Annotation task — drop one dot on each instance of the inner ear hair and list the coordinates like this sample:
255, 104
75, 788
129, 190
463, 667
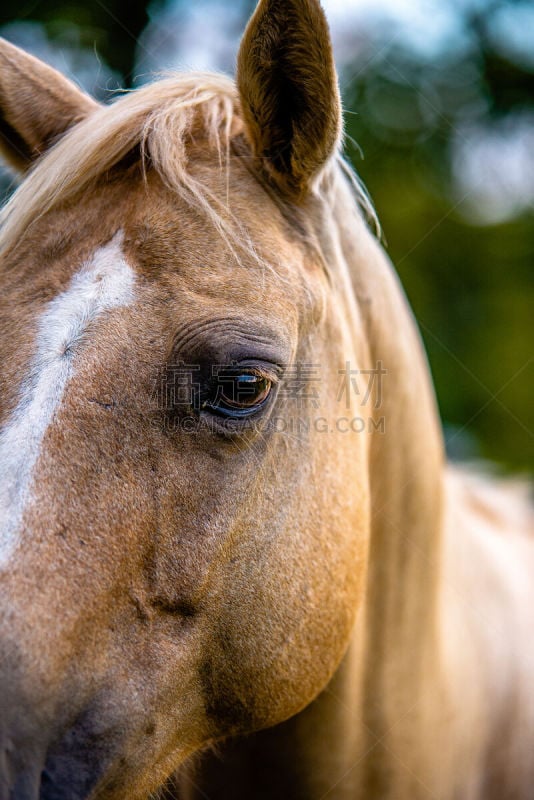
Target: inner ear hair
289, 92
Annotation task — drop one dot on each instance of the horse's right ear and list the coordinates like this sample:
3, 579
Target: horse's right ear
37, 105
289, 92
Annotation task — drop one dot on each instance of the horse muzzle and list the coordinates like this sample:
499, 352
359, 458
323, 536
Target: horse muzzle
67, 769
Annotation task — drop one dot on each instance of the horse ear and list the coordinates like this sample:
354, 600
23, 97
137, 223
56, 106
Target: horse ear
289, 92
37, 105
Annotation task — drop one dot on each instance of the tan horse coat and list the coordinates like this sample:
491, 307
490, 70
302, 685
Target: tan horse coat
165, 589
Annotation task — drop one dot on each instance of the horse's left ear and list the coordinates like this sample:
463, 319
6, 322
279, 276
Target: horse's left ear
37, 105
289, 92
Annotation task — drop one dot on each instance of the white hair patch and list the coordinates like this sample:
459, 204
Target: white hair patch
104, 283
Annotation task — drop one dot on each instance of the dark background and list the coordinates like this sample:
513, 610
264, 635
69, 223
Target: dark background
447, 136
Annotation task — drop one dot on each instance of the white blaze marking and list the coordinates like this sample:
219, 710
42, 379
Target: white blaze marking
104, 283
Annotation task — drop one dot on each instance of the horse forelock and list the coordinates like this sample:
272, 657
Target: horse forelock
161, 121
157, 118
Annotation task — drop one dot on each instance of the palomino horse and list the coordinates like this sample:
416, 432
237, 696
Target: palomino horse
230, 548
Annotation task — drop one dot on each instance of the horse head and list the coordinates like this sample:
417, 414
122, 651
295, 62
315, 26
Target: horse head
184, 523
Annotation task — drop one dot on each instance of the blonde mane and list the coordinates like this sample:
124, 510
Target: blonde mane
159, 119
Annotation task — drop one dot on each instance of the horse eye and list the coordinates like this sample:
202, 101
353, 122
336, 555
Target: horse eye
239, 393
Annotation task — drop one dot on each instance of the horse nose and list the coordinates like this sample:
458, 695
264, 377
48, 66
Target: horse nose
23, 745
76, 761
51, 713
60, 778
24, 729
24, 786
20, 766
68, 768
48, 749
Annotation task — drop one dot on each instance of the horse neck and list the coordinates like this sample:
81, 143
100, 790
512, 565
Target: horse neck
438, 558
399, 634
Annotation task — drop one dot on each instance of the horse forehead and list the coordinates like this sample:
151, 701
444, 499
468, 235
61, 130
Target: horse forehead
103, 283
241, 234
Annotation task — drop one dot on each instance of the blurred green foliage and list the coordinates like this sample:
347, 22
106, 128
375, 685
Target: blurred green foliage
470, 281
471, 285
111, 28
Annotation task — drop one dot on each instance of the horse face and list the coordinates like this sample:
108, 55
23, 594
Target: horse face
184, 536
176, 567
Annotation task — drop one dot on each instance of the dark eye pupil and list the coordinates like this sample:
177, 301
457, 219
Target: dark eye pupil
244, 391
236, 393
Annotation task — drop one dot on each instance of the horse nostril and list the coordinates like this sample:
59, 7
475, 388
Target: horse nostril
66, 778
20, 764
76, 762
23, 786
53, 787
